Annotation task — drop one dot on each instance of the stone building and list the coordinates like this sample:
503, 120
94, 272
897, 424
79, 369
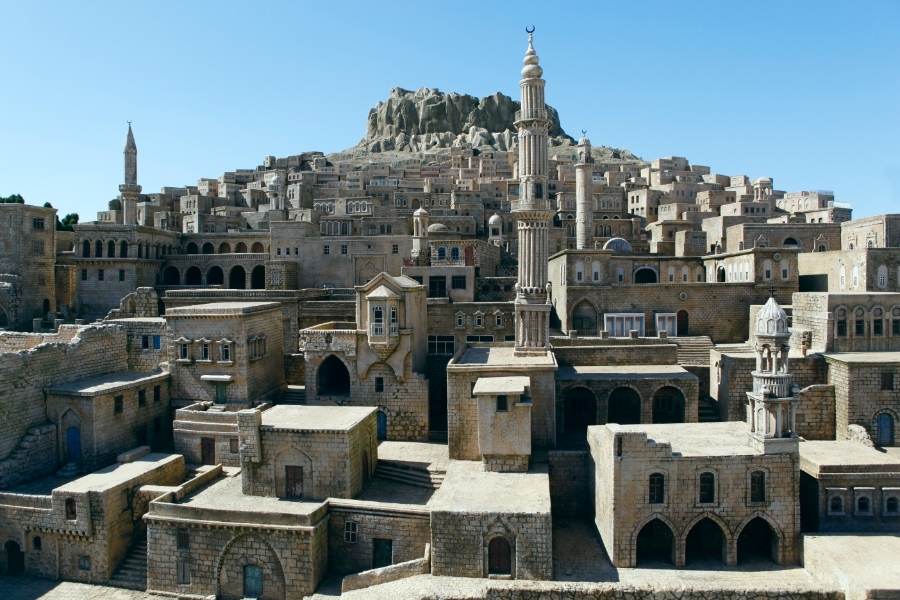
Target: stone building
27, 266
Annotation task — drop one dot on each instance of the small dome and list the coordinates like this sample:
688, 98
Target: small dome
437, 228
618, 245
495, 219
531, 68
420, 212
771, 319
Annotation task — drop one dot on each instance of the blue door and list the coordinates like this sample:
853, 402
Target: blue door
252, 581
73, 444
382, 425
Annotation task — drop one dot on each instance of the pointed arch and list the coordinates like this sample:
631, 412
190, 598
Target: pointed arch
759, 536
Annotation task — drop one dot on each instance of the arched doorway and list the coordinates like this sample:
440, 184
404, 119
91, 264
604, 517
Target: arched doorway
705, 543
668, 405
15, 558
884, 429
655, 544
720, 274
624, 407
584, 318
257, 248
579, 412
191, 248
499, 557
237, 278
241, 248
757, 542
73, 444
215, 276
193, 276
681, 323
208, 248
224, 248
258, 278
382, 425
645, 275
171, 276
333, 379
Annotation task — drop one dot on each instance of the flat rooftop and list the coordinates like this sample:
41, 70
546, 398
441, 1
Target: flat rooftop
468, 488
106, 383
696, 439
500, 356
225, 494
121, 473
489, 386
864, 357
624, 372
315, 418
221, 308
843, 456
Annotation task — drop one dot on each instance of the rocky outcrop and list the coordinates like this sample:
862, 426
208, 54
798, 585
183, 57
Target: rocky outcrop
429, 119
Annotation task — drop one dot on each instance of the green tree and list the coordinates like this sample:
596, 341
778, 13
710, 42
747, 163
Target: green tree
68, 222
12, 199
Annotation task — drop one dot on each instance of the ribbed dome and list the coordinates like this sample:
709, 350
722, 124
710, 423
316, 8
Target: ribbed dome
771, 319
438, 228
618, 245
495, 219
531, 65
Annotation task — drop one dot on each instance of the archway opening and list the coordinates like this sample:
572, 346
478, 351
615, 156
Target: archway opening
224, 248
681, 319
584, 318
499, 557
208, 248
333, 378
579, 412
382, 425
645, 275
15, 558
191, 248
193, 276
110, 249
258, 278
655, 544
241, 248
705, 543
668, 405
257, 248
757, 542
171, 276
215, 276
791, 243
123, 249
4, 320
720, 274
237, 278
624, 407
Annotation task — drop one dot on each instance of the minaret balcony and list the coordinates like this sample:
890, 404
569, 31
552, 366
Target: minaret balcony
776, 384
532, 114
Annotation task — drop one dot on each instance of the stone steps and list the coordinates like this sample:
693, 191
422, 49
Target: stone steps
415, 476
294, 394
708, 411
132, 572
693, 351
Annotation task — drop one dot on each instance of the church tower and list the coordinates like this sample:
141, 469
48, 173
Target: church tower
584, 196
532, 211
772, 405
130, 190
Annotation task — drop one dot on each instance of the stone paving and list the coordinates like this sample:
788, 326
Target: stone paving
27, 588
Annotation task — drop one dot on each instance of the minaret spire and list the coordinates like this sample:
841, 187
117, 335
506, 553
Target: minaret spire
532, 209
584, 195
130, 190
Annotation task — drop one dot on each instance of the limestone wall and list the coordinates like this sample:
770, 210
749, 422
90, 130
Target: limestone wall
409, 532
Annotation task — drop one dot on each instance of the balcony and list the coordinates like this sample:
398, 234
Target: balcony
532, 114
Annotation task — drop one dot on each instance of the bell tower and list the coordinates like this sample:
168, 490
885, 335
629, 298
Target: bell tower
532, 210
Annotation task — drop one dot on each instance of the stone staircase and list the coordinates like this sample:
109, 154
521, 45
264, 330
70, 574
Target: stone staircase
132, 572
293, 394
410, 474
693, 351
708, 410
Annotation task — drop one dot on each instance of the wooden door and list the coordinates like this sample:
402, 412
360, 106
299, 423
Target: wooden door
293, 481
207, 451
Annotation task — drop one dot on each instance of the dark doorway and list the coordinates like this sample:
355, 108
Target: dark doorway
579, 412
333, 378
46, 306
4, 321
293, 481
193, 276
436, 369
171, 276
720, 274
215, 276
624, 407
365, 467
584, 318
237, 278
681, 324
382, 425
207, 451
73, 444
258, 278
499, 557
655, 544
668, 405
645, 275
382, 553
813, 283
884, 429
705, 543
15, 558
757, 542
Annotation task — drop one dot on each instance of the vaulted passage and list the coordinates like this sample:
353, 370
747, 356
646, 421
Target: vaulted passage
579, 410
757, 542
215, 276
624, 407
668, 405
655, 544
705, 543
584, 319
258, 278
192, 276
237, 278
333, 378
645, 275
171, 276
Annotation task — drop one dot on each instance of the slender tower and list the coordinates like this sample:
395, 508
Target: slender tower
532, 210
584, 195
130, 190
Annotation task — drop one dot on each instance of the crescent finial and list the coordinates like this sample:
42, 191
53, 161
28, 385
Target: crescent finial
527, 30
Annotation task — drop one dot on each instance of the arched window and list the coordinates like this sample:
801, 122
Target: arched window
767, 270
882, 277
864, 505
110, 248
836, 505
442, 253
891, 505
757, 486
454, 253
840, 321
123, 249
499, 557
86, 248
855, 276
707, 488
98, 248
71, 510
877, 321
843, 277
657, 488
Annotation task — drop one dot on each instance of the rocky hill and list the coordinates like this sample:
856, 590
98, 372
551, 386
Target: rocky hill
429, 119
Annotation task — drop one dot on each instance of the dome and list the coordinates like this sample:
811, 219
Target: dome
618, 245
771, 319
438, 228
420, 212
495, 219
531, 68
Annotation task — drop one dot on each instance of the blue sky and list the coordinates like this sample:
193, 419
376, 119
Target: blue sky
805, 92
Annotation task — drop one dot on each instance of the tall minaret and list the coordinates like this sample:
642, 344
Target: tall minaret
584, 195
130, 190
532, 210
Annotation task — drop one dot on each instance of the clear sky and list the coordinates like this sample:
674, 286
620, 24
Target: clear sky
805, 92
